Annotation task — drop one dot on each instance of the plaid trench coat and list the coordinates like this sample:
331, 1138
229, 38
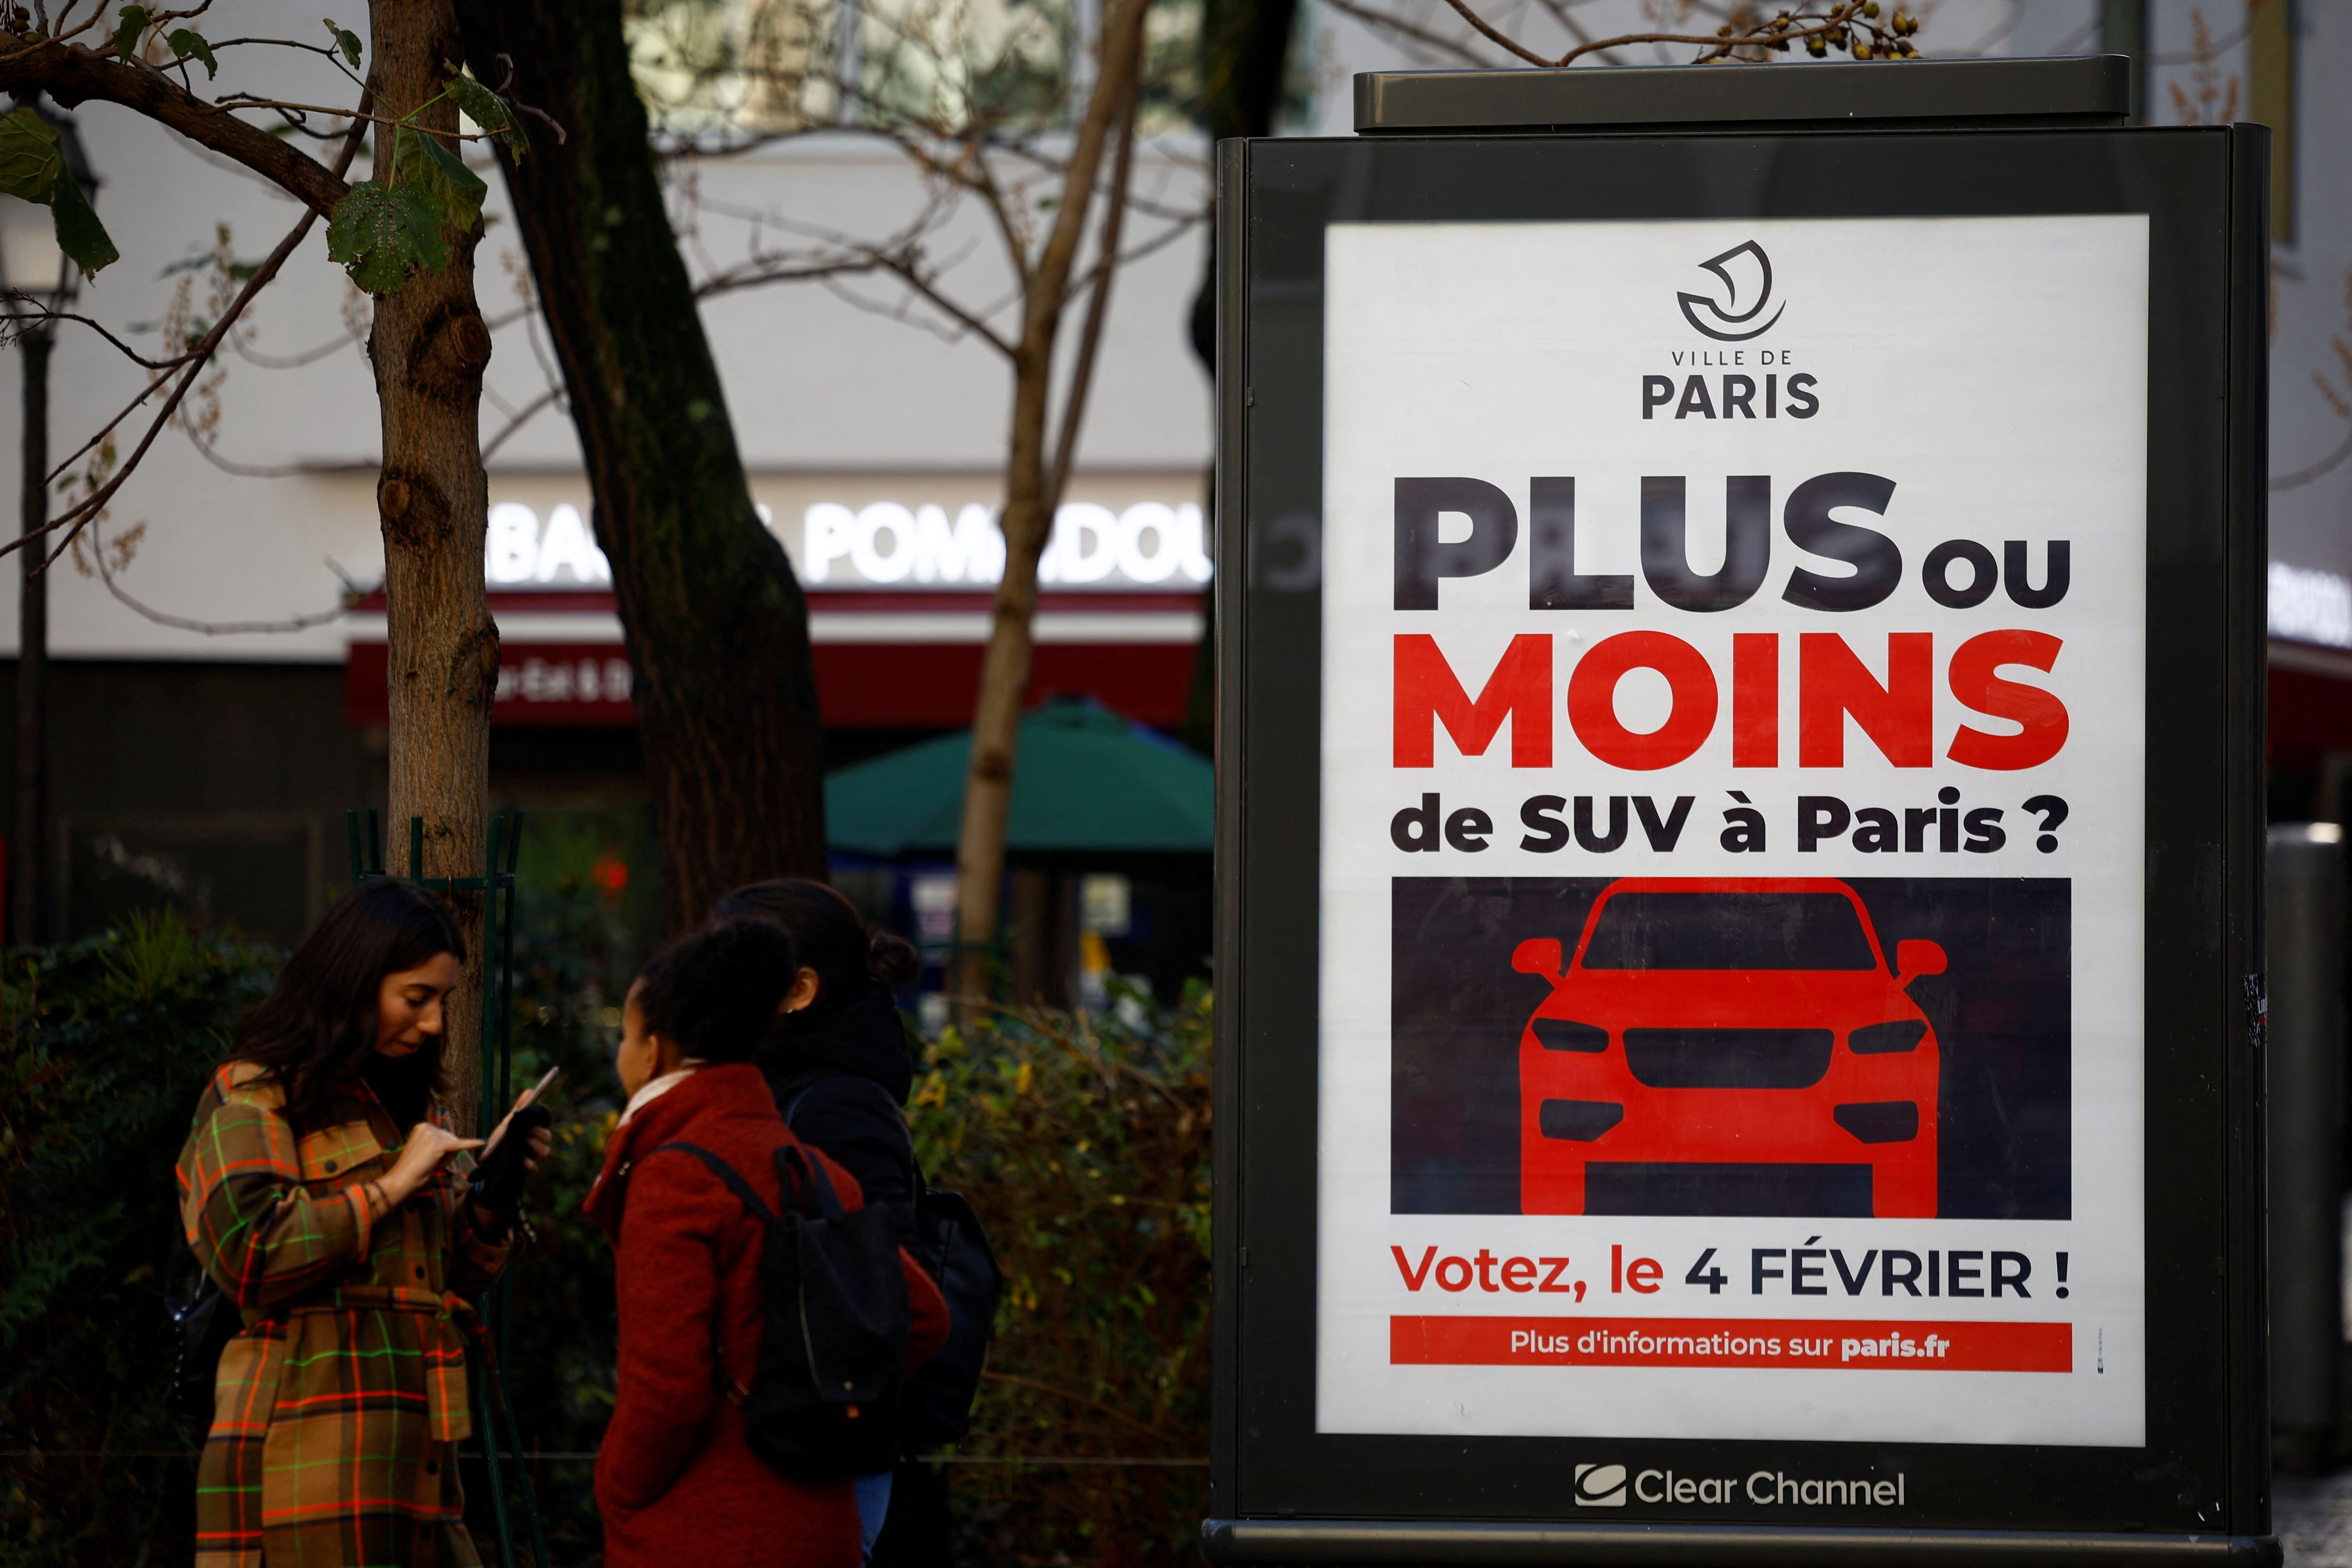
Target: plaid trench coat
339, 1408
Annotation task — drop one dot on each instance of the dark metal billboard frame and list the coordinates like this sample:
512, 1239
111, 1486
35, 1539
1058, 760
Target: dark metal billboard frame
1282, 1492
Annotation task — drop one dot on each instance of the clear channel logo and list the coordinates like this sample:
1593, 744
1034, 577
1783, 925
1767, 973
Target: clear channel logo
1746, 274
1601, 1486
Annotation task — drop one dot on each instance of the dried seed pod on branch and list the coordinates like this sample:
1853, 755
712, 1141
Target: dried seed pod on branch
1862, 29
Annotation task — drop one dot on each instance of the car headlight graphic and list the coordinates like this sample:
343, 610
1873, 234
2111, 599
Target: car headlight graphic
1877, 1039
1565, 1035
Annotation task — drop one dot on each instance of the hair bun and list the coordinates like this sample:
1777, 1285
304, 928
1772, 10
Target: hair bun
891, 959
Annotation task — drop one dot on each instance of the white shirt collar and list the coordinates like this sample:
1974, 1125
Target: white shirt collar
659, 1087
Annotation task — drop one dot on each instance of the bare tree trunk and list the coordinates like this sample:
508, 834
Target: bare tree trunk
717, 625
429, 346
1028, 518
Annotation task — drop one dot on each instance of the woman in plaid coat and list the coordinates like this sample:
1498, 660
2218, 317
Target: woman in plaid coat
317, 1187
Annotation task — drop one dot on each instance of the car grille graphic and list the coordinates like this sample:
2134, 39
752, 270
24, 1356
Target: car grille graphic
1728, 1058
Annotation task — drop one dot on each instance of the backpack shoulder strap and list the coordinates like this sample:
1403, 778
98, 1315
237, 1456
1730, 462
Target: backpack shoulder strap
803, 1174
727, 1174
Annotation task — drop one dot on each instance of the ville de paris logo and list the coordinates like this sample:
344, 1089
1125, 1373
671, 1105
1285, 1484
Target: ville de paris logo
1746, 273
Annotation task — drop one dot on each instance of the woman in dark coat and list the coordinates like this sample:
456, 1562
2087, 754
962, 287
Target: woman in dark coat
839, 1061
676, 1481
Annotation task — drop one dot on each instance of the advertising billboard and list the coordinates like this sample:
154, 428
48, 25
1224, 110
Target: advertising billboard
1731, 803
1740, 951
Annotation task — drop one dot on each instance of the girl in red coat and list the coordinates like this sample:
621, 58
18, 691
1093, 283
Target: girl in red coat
676, 1481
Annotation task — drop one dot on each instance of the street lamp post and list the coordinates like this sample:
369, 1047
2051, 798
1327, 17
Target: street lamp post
39, 280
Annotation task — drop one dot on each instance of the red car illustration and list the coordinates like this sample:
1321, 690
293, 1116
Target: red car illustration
1728, 1020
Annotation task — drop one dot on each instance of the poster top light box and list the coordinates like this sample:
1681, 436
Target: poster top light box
1740, 800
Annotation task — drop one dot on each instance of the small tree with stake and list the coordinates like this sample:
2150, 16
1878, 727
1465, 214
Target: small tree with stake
406, 235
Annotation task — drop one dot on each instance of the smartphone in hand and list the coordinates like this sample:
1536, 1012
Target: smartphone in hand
531, 1095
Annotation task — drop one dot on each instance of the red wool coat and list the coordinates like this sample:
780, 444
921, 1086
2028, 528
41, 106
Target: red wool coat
676, 1481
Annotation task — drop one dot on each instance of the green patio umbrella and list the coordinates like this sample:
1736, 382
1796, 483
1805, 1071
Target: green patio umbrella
1086, 779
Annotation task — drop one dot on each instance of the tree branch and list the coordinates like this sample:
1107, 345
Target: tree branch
2320, 470
1844, 24
1389, 22
23, 311
73, 75
1074, 405
79, 516
351, 594
521, 417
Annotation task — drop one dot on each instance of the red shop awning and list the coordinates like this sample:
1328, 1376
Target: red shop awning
2310, 691
883, 659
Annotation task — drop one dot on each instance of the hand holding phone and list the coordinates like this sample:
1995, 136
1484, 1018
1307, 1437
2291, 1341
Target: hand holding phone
528, 1098
498, 1177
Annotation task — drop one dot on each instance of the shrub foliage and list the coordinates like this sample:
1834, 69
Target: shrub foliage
104, 1046
1083, 1142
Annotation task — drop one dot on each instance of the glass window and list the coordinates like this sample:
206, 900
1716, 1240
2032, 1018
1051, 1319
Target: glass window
1729, 930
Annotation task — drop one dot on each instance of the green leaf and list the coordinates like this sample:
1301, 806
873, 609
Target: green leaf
349, 42
29, 159
79, 234
454, 192
382, 233
492, 112
135, 21
190, 46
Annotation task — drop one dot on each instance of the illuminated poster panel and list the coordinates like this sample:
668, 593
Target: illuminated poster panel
1734, 642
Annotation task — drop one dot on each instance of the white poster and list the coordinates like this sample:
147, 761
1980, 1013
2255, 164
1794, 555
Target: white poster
1732, 900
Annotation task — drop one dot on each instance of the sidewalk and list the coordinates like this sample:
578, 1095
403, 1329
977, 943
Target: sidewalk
2312, 1516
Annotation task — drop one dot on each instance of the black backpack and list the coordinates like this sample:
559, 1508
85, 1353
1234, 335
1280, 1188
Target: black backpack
824, 1401
935, 1408
935, 1405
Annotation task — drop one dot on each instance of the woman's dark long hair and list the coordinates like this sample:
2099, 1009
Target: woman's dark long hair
850, 957
319, 1023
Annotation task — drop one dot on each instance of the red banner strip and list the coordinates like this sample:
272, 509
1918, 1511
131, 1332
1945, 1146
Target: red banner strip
1902, 1346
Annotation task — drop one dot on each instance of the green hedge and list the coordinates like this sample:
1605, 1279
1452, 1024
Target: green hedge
1083, 1142
104, 1046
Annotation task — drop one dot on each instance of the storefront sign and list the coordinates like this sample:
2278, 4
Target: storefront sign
1743, 854
888, 544
882, 660
1149, 544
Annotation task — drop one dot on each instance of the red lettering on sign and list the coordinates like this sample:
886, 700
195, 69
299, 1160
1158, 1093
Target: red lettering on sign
1975, 680
1755, 699
1414, 1276
1875, 1345
1592, 699
1899, 717
1429, 694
